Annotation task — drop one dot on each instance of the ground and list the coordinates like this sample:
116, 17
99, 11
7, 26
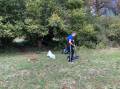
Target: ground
96, 69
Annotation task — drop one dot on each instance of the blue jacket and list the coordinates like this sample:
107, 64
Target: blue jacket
70, 37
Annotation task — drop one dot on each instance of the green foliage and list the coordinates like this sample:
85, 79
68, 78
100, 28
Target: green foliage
101, 45
109, 30
74, 4
12, 14
89, 29
56, 21
36, 18
114, 29
5, 29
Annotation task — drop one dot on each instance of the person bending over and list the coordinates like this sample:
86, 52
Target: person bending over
70, 45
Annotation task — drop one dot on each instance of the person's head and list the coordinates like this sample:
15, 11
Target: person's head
74, 34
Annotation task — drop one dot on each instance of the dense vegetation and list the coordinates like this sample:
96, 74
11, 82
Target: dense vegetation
48, 19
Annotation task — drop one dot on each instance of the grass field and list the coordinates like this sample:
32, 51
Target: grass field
96, 69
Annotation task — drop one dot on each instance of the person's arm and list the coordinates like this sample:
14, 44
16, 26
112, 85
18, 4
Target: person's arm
70, 42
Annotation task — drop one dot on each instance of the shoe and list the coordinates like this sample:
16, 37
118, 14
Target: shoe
71, 62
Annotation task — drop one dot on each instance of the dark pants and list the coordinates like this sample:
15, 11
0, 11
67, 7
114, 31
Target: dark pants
71, 53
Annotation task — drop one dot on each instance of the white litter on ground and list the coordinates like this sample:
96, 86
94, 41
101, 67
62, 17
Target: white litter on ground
50, 55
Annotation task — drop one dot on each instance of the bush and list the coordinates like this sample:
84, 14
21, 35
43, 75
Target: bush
108, 31
90, 44
101, 45
113, 33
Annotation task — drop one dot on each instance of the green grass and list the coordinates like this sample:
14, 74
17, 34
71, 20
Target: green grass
96, 69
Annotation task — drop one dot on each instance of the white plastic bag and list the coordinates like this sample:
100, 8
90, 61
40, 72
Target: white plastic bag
50, 55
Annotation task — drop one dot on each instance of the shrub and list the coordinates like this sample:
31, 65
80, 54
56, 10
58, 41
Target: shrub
101, 45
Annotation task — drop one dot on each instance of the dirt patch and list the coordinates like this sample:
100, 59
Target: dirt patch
31, 56
68, 84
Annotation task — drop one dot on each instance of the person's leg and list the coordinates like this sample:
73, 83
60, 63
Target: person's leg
72, 53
